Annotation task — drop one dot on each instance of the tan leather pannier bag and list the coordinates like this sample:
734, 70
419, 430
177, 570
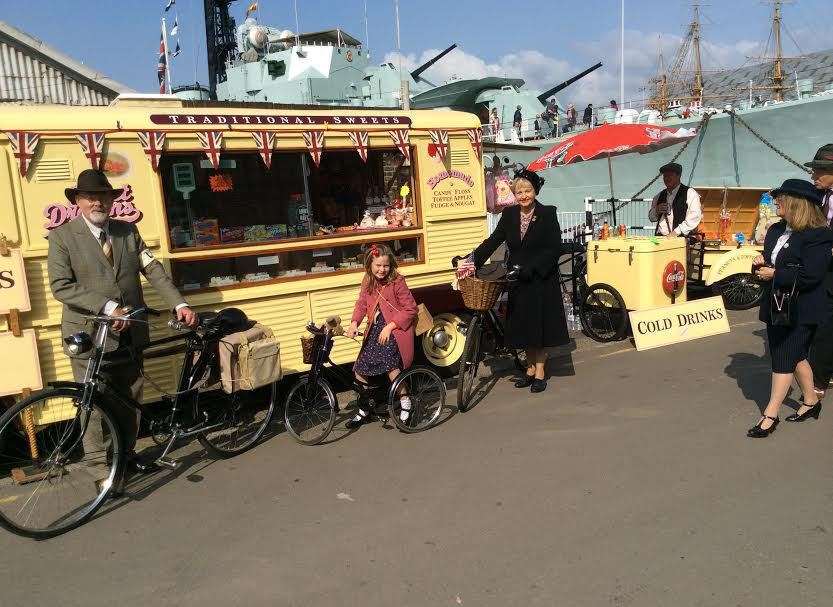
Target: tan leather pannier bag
249, 359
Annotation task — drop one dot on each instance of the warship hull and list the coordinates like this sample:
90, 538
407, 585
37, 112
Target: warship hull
729, 155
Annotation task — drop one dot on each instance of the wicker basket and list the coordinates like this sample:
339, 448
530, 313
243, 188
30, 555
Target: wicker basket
479, 294
308, 349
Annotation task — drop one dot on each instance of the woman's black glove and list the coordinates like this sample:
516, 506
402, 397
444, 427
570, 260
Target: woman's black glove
524, 274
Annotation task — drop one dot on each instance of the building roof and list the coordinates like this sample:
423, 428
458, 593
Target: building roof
31, 71
731, 84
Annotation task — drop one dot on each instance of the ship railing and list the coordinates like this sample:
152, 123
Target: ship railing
528, 131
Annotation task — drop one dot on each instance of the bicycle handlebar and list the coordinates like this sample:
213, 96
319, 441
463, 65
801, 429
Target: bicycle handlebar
127, 317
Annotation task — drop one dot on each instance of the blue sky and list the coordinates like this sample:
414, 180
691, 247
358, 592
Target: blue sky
542, 42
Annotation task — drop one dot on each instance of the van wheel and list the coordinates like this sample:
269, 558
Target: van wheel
441, 347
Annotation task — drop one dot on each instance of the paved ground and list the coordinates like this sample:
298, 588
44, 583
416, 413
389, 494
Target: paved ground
629, 482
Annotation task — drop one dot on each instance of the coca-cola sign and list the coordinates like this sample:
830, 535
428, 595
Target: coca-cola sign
59, 213
673, 278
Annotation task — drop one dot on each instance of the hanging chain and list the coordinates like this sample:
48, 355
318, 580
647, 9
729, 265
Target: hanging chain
763, 140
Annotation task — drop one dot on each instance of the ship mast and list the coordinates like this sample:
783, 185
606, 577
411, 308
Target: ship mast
777, 73
697, 88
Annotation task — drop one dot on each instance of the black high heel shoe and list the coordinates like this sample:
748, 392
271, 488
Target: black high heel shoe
757, 432
813, 412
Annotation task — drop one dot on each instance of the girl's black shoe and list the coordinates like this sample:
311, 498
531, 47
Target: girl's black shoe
358, 420
757, 432
813, 412
525, 381
538, 385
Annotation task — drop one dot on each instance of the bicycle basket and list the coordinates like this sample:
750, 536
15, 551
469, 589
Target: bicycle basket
479, 294
308, 345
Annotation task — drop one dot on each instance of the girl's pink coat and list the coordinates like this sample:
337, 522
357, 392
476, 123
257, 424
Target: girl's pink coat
400, 308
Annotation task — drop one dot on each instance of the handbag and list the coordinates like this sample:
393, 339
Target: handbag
424, 319
783, 308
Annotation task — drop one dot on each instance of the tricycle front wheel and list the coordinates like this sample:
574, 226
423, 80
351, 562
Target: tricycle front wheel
602, 312
740, 291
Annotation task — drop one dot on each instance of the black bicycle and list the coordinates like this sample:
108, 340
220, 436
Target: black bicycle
311, 405
52, 485
485, 335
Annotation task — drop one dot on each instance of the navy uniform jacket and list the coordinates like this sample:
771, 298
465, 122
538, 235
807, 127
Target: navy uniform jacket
803, 261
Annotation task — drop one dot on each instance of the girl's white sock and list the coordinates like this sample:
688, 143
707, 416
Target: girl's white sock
405, 411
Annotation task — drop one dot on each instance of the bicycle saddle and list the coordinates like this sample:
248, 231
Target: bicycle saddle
226, 322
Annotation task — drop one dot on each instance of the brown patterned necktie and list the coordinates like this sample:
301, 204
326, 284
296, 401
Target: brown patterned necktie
106, 247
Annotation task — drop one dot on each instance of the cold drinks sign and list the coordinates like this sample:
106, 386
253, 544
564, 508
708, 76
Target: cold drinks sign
679, 322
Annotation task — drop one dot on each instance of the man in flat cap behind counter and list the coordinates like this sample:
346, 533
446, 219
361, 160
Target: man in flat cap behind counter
676, 210
821, 352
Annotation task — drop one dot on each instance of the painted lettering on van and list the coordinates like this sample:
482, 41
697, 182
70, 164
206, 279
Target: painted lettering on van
57, 214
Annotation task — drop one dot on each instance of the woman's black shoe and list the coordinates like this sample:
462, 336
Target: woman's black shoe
525, 381
757, 432
813, 412
538, 385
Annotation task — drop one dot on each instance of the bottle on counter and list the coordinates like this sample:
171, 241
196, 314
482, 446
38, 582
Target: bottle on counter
605, 233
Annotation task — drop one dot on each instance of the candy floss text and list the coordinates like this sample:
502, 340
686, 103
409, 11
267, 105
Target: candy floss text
58, 214
436, 179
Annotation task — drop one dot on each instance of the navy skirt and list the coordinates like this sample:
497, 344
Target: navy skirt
788, 346
376, 358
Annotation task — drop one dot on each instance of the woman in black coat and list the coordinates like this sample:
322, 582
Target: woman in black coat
535, 318
797, 253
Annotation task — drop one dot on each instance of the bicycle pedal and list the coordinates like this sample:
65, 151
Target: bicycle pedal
164, 462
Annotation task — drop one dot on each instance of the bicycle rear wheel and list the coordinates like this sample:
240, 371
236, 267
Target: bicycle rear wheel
427, 392
236, 421
310, 411
53, 485
469, 364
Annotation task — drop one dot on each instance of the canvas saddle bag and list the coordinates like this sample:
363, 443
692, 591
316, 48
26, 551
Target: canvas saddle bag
249, 359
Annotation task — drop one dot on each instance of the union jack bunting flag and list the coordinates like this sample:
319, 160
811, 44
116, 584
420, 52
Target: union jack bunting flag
401, 140
360, 139
440, 140
152, 144
265, 141
23, 147
92, 144
212, 142
162, 65
315, 144
476, 138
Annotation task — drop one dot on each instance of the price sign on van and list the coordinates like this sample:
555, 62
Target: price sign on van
14, 293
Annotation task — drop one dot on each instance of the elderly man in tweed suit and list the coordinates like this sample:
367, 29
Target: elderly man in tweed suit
95, 265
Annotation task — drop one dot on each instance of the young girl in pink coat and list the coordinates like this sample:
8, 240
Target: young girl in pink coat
390, 309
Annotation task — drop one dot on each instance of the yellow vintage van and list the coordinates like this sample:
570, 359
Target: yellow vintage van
261, 207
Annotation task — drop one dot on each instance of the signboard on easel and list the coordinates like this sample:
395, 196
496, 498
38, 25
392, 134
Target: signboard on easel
14, 292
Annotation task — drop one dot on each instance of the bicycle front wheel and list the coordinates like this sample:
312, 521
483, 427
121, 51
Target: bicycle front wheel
426, 391
310, 411
469, 364
235, 421
52, 484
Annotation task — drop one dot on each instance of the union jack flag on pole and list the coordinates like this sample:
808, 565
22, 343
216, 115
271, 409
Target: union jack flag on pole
23, 147
92, 144
152, 144
169, 5
315, 144
401, 140
360, 142
212, 142
265, 141
162, 65
440, 140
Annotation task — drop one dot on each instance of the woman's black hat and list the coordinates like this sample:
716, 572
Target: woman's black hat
91, 180
802, 189
532, 177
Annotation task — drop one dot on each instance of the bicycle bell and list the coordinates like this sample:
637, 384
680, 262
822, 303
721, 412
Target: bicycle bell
79, 343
